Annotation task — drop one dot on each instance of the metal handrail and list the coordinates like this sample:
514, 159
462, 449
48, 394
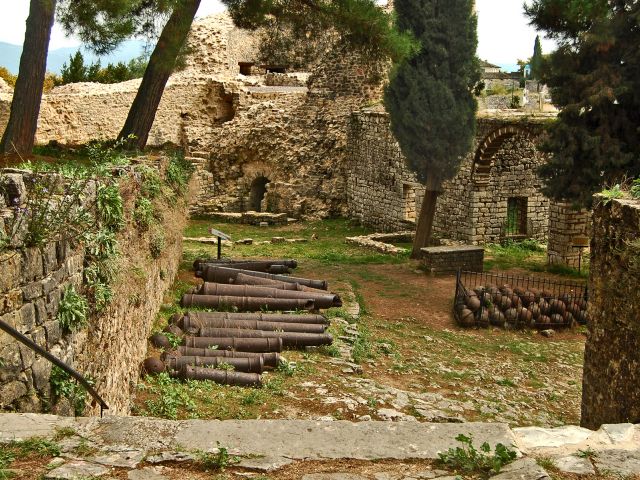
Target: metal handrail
56, 361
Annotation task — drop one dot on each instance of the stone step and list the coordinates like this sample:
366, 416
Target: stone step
204, 155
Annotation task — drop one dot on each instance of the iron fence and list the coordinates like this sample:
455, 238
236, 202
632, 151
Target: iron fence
511, 301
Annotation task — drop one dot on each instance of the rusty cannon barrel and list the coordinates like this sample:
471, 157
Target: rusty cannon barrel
289, 339
250, 304
224, 377
234, 263
269, 359
195, 327
249, 365
203, 317
239, 344
243, 279
324, 300
228, 275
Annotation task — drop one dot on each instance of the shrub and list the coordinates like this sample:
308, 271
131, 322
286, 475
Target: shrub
143, 213
63, 386
157, 243
72, 311
110, 207
150, 182
470, 460
179, 172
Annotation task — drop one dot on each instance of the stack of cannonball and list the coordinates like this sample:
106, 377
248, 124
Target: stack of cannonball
518, 307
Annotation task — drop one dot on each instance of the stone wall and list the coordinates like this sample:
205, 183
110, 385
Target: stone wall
566, 224
611, 381
114, 344
383, 193
451, 259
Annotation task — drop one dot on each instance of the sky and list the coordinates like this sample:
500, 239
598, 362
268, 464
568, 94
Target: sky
503, 33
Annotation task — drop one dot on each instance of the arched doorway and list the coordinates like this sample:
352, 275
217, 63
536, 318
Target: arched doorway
257, 192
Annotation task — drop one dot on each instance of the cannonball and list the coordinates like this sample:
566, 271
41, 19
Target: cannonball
518, 290
568, 318
544, 307
492, 289
515, 300
536, 292
159, 340
557, 306
547, 295
473, 303
557, 318
487, 299
544, 320
582, 303
583, 317
511, 315
567, 298
497, 298
534, 308
471, 293
169, 354
483, 317
528, 298
460, 306
573, 309
467, 318
525, 316
505, 303
153, 365
175, 318
174, 330
506, 290
497, 318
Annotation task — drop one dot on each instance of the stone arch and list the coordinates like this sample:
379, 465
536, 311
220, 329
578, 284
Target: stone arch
490, 145
257, 191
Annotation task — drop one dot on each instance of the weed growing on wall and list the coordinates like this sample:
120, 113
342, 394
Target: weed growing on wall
73, 309
178, 173
63, 386
150, 182
143, 213
157, 243
469, 460
110, 207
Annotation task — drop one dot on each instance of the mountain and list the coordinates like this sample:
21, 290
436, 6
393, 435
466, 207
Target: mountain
10, 55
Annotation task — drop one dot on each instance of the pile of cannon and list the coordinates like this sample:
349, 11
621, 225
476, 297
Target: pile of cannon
235, 348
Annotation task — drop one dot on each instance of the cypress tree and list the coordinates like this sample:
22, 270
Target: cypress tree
594, 80
75, 71
429, 98
536, 59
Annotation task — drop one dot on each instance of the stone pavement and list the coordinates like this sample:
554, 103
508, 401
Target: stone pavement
138, 443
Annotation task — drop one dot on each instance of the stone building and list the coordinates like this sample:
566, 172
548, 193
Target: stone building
496, 194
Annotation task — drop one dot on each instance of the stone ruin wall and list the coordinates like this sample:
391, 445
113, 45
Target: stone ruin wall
383, 193
565, 224
611, 381
113, 346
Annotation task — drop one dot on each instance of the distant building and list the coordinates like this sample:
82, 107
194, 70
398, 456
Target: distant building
489, 67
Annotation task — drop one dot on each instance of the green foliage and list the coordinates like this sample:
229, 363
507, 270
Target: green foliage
174, 340
8, 77
76, 71
72, 311
179, 171
110, 207
360, 23
593, 80
469, 460
170, 397
157, 243
217, 461
143, 213
101, 245
62, 385
6, 458
612, 193
362, 348
634, 191
287, 368
36, 446
52, 209
536, 60
150, 182
429, 98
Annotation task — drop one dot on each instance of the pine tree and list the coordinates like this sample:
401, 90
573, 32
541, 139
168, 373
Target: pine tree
430, 98
594, 80
75, 71
536, 60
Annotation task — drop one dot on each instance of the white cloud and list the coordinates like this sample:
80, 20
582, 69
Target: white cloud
503, 31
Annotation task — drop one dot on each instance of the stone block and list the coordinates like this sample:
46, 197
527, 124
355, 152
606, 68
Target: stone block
41, 371
32, 266
27, 318
49, 258
10, 392
53, 332
10, 301
53, 302
31, 291
11, 361
40, 306
11, 271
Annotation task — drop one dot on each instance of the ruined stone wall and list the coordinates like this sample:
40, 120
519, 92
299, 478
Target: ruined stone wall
382, 192
565, 224
611, 380
112, 347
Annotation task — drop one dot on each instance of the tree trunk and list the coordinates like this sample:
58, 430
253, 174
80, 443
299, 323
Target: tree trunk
425, 220
161, 64
19, 136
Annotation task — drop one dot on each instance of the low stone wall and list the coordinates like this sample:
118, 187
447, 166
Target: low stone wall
611, 381
110, 349
450, 259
